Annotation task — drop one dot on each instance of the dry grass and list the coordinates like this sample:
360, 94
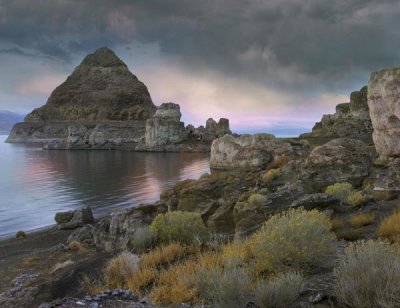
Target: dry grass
173, 286
363, 219
163, 255
390, 227
237, 252
119, 269
271, 175
279, 162
62, 265
76, 246
142, 279
93, 287
337, 223
349, 235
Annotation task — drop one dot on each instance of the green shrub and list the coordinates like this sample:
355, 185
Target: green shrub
119, 269
356, 198
279, 292
368, 275
256, 200
183, 227
143, 239
341, 191
224, 288
295, 238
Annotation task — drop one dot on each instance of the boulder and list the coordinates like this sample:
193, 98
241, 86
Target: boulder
339, 160
74, 219
384, 105
247, 151
82, 235
318, 201
116, 230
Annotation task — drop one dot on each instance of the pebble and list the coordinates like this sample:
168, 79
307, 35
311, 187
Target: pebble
318, 298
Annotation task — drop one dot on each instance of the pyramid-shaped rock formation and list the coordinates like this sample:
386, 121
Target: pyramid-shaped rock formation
100, 88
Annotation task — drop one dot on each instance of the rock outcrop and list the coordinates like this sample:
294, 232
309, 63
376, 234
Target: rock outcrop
384, 105
350, 120
102, 105
100, 88
247, 151
339, 160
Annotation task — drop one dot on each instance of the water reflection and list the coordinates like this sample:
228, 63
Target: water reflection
34, 184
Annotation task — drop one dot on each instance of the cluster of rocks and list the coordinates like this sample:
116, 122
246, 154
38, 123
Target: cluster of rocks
102, 105
350, 120
106, 299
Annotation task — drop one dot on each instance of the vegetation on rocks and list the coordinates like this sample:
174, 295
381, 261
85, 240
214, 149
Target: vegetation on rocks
346, 194
295, 239
183, 227
390, 227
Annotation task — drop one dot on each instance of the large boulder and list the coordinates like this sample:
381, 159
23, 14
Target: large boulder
339, 160
247, 151
100, 88
384, 105
74, 219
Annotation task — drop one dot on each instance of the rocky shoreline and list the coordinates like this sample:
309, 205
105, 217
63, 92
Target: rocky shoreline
330, 185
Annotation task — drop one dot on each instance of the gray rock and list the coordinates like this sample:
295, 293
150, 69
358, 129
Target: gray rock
247, 151
387, 182
82, 235
63, 217
79, 218
383, 101
316, 201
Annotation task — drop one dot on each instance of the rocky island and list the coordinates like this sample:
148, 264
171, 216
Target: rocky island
281, 222
102, 105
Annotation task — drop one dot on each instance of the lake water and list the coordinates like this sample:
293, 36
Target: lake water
35, 183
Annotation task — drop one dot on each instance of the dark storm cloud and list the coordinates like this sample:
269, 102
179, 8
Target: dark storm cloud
278, 40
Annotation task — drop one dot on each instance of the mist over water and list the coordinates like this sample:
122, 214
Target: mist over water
35, 183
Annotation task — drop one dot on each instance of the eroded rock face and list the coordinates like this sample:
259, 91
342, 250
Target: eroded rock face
165, 126
350, 120
247, 151
339, 160
387, 182
100, 88
384, 105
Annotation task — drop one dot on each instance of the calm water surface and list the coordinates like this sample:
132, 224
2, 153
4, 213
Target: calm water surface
35, 184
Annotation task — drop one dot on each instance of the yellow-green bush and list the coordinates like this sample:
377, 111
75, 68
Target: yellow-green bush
356, 198
340, 190
271, 175
183, 227
346, 194
296, 238
280, 291
368, 275
256, 200
119, 269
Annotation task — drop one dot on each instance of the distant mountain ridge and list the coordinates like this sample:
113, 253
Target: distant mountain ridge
7, 121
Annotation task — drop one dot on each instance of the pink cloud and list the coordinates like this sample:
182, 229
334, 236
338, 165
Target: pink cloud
41, 85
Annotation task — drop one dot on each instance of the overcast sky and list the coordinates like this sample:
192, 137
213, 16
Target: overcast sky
267, 65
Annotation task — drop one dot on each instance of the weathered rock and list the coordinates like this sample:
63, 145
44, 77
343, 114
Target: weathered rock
74, 219
247, 151
82, 235
165, 126
387, 182
116, 230
384, 105
350, 120
339, 160
318, 201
